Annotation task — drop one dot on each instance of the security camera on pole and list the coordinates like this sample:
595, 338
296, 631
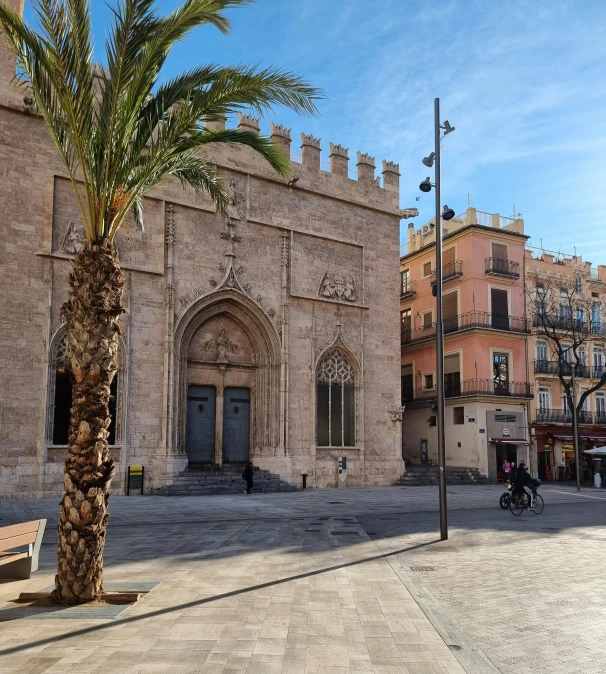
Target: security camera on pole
447, 214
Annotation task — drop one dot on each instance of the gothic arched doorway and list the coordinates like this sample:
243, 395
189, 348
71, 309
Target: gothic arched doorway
227, 398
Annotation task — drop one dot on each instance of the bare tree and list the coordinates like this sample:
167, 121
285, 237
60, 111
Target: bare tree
568, 320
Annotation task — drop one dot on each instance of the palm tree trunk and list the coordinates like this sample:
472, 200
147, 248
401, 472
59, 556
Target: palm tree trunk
92, 316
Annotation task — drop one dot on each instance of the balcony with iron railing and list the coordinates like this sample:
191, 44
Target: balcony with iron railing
569, 324
555, 368
469, 321
472, 387
498, 267
408, 289
549, 416
450, 271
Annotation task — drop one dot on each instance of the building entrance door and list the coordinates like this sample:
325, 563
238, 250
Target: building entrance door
200, 438
236, 425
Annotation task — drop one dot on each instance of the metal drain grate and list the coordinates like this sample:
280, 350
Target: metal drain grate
422, 568
312, 531
335, 502
345, 533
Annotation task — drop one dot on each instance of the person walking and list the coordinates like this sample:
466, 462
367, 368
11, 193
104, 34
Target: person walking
248, 476
506, 470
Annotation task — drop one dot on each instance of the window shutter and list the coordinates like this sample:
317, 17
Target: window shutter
449, 305
448, 256
427, 268
427, 319
499, 251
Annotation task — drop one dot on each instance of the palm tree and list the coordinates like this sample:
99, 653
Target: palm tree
120, 133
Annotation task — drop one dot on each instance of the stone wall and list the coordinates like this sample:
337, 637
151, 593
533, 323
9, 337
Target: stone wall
300, 265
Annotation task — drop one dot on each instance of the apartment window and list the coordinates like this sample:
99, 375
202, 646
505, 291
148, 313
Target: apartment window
600, 408
407, 383
500, 366
596, 318
542, 351
578, 285
427, 320
450, 310
433, 420
426, 269
598, 362
405, 275
499, 309
565, 405
582, 355
428, 381
567, 353
452, 374
499, 251
544, 399
448, 257
458, 415
580, 316
406, 324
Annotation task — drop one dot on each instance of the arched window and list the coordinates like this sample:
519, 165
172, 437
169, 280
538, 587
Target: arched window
61, 398
336, 401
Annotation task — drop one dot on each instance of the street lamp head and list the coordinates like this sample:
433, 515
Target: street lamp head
425, 186
447, 128
447, 213
428, 161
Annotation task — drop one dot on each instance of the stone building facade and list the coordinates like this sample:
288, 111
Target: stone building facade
270, 334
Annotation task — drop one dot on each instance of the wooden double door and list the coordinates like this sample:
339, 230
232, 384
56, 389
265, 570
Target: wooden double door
203, 420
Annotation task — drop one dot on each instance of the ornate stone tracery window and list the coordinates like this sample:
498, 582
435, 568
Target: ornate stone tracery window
60, 396
336, 400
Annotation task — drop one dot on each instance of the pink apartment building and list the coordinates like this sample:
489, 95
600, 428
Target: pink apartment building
487, 381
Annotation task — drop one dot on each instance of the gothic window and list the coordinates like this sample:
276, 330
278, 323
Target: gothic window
336, 401
60, 399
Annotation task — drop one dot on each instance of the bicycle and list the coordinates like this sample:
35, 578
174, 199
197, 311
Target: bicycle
519, 503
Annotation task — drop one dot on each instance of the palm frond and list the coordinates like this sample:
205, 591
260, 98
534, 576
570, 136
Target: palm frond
118, 139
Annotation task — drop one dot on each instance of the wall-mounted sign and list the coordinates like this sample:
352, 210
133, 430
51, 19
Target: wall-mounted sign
471, 420
506, 432
482, 430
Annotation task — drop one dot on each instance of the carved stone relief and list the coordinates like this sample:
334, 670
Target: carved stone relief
338, 286
73, 237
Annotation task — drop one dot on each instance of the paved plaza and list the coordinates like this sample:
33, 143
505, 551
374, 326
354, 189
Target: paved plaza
331, 581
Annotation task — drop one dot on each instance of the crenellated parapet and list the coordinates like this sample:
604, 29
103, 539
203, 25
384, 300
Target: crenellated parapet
391, 177
280, 136
310, 151
379, 191
339, 160
366, 168
248, 123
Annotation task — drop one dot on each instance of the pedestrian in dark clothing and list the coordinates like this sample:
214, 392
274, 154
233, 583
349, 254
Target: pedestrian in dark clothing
512, 473
523, 483
248, 476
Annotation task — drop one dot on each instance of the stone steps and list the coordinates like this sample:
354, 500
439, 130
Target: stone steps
417, 476
222, 480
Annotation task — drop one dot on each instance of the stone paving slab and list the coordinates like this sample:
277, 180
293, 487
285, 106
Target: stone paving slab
268, 584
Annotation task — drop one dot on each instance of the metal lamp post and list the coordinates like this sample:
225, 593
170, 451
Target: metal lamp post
440, 336
425, 186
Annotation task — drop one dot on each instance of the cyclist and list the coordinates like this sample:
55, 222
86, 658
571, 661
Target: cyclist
522, 483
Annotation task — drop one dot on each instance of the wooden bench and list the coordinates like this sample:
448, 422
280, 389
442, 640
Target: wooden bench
19, 565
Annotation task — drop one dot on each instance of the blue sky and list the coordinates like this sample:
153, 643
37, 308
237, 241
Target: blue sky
522, 81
